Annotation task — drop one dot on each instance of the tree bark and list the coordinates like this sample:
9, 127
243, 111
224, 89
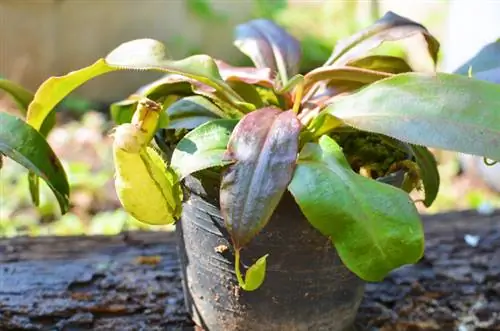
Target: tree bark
132, 282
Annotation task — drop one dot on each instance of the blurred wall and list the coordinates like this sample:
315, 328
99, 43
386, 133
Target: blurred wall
42, 38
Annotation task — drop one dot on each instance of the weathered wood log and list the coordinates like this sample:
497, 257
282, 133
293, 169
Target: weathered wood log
132, 282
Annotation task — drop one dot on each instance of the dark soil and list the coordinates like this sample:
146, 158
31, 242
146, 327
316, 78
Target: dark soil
132, 282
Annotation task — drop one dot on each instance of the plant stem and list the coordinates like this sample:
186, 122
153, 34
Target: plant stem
237, 268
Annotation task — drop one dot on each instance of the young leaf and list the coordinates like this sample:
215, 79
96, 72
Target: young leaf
384, 63
191, 112
428, 172
22, 96
443, 111
269, 46
203, 148
23, 144
374, 226
390, 27
264, 148
254, 276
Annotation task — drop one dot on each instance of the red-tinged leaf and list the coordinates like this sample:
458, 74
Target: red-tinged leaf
269, 46
342, 74
390, 27
385, 63
249, 75
263, 147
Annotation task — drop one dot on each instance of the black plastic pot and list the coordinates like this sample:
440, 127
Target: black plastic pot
306, 286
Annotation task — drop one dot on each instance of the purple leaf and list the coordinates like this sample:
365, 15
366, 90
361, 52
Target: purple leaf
390, 27
269, 46
264, 147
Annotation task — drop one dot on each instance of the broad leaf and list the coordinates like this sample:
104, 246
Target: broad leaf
191, 112
269, 46
149, 54
203, 148
390, 27
256, 274
23, 144
22, 96
263, 147
428, 172
342, 74
374, 226
443, 111
486, 59
385, 63
141, 54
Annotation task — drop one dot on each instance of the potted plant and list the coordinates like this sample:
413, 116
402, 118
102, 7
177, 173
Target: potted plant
290, 191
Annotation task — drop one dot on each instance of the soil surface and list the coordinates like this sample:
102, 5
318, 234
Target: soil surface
132, 282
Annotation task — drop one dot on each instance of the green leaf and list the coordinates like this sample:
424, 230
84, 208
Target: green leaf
23, 144
254, 276
374, 226
263, 147
149, 54
191, 112
428, 172
385, 63
141, 54
248, 92
390, 27
122, 111
269, 46
22, 96
342, 74
203, 148
443, 111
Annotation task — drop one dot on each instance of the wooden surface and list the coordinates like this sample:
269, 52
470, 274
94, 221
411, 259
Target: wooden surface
132, 282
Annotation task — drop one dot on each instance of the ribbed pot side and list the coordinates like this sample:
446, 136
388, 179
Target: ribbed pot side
306, 287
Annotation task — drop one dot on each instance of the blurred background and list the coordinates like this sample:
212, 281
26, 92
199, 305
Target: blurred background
43, 38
